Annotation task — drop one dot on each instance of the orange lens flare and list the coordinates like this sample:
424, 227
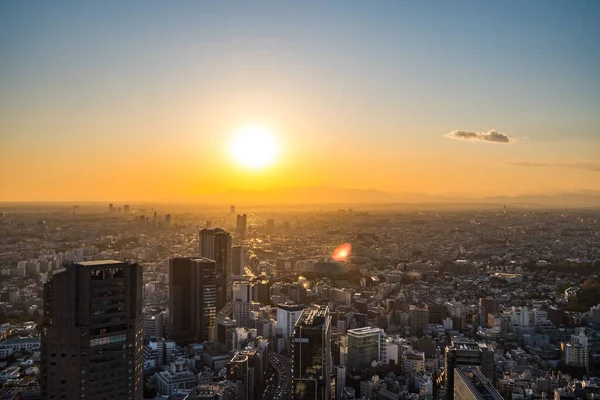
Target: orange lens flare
342, 252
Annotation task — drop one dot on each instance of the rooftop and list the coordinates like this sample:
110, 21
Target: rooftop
364, 331
98, 262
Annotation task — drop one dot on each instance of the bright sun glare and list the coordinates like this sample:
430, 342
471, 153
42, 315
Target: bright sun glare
254, 147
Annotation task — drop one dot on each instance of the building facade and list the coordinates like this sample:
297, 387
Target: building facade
92, 332
193, 298
311, 355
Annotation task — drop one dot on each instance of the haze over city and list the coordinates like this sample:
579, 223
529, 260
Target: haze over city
145, 101
300, 200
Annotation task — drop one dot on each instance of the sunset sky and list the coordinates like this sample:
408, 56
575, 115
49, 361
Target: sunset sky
139, 100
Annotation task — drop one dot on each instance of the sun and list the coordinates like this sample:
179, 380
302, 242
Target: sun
254, 147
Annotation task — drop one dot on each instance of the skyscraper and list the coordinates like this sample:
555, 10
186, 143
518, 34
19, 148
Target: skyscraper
193, 298
241, 223
215, 244
365, 345
237, 260
92, 333
311, 355
465, 352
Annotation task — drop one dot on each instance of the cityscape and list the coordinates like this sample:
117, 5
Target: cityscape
300, 200
328, 304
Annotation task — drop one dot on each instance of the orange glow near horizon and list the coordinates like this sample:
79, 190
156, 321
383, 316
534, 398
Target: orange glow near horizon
342, 252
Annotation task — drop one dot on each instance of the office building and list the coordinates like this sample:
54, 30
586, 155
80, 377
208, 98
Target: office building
264, 291
237, 260
287, 315
215, 244
365, 345
241, 223
153, 323
471, 384
126, 208
174, 378
465, 352
419, 319
246, 368
311, 355
92, 333
193, 298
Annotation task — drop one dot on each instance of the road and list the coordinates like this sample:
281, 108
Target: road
282, 387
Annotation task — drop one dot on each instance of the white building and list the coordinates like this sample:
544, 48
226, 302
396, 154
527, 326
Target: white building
576, 353
19, 343
519, 316
287, 316
174, 378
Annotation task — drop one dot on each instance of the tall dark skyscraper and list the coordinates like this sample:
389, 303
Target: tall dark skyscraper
193, 298
216, 245
311, 355
241, 223
465, 352
92, 333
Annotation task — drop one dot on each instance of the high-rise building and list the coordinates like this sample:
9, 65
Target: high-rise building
311, 355
216, 245
264, 291
471, 384
365, 345
232, 209
576, 353
92, 332
487, 306
287, 315
193, 298
247, 370
237, 371
465, 352
126, 208
271, 224
111, 208
168, 220
153, 323
419, 319
237, 260
241, 223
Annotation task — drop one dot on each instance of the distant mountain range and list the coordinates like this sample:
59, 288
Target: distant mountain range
324, 195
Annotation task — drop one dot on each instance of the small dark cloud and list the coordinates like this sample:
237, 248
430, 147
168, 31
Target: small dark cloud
585, 165
491, 136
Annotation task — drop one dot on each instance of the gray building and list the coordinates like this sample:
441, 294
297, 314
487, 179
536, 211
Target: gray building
468, 353
92, 332
193, 298
471, 384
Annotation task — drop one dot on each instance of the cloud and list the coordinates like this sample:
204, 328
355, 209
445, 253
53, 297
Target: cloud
491, 136
585, 165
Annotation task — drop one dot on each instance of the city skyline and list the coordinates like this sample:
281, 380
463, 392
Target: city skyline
140, 101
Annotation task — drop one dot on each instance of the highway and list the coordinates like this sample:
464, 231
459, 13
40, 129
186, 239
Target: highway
281, 388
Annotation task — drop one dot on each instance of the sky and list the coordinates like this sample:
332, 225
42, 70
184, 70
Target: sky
139, 100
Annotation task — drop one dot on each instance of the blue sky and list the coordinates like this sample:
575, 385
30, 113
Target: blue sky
368, 74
